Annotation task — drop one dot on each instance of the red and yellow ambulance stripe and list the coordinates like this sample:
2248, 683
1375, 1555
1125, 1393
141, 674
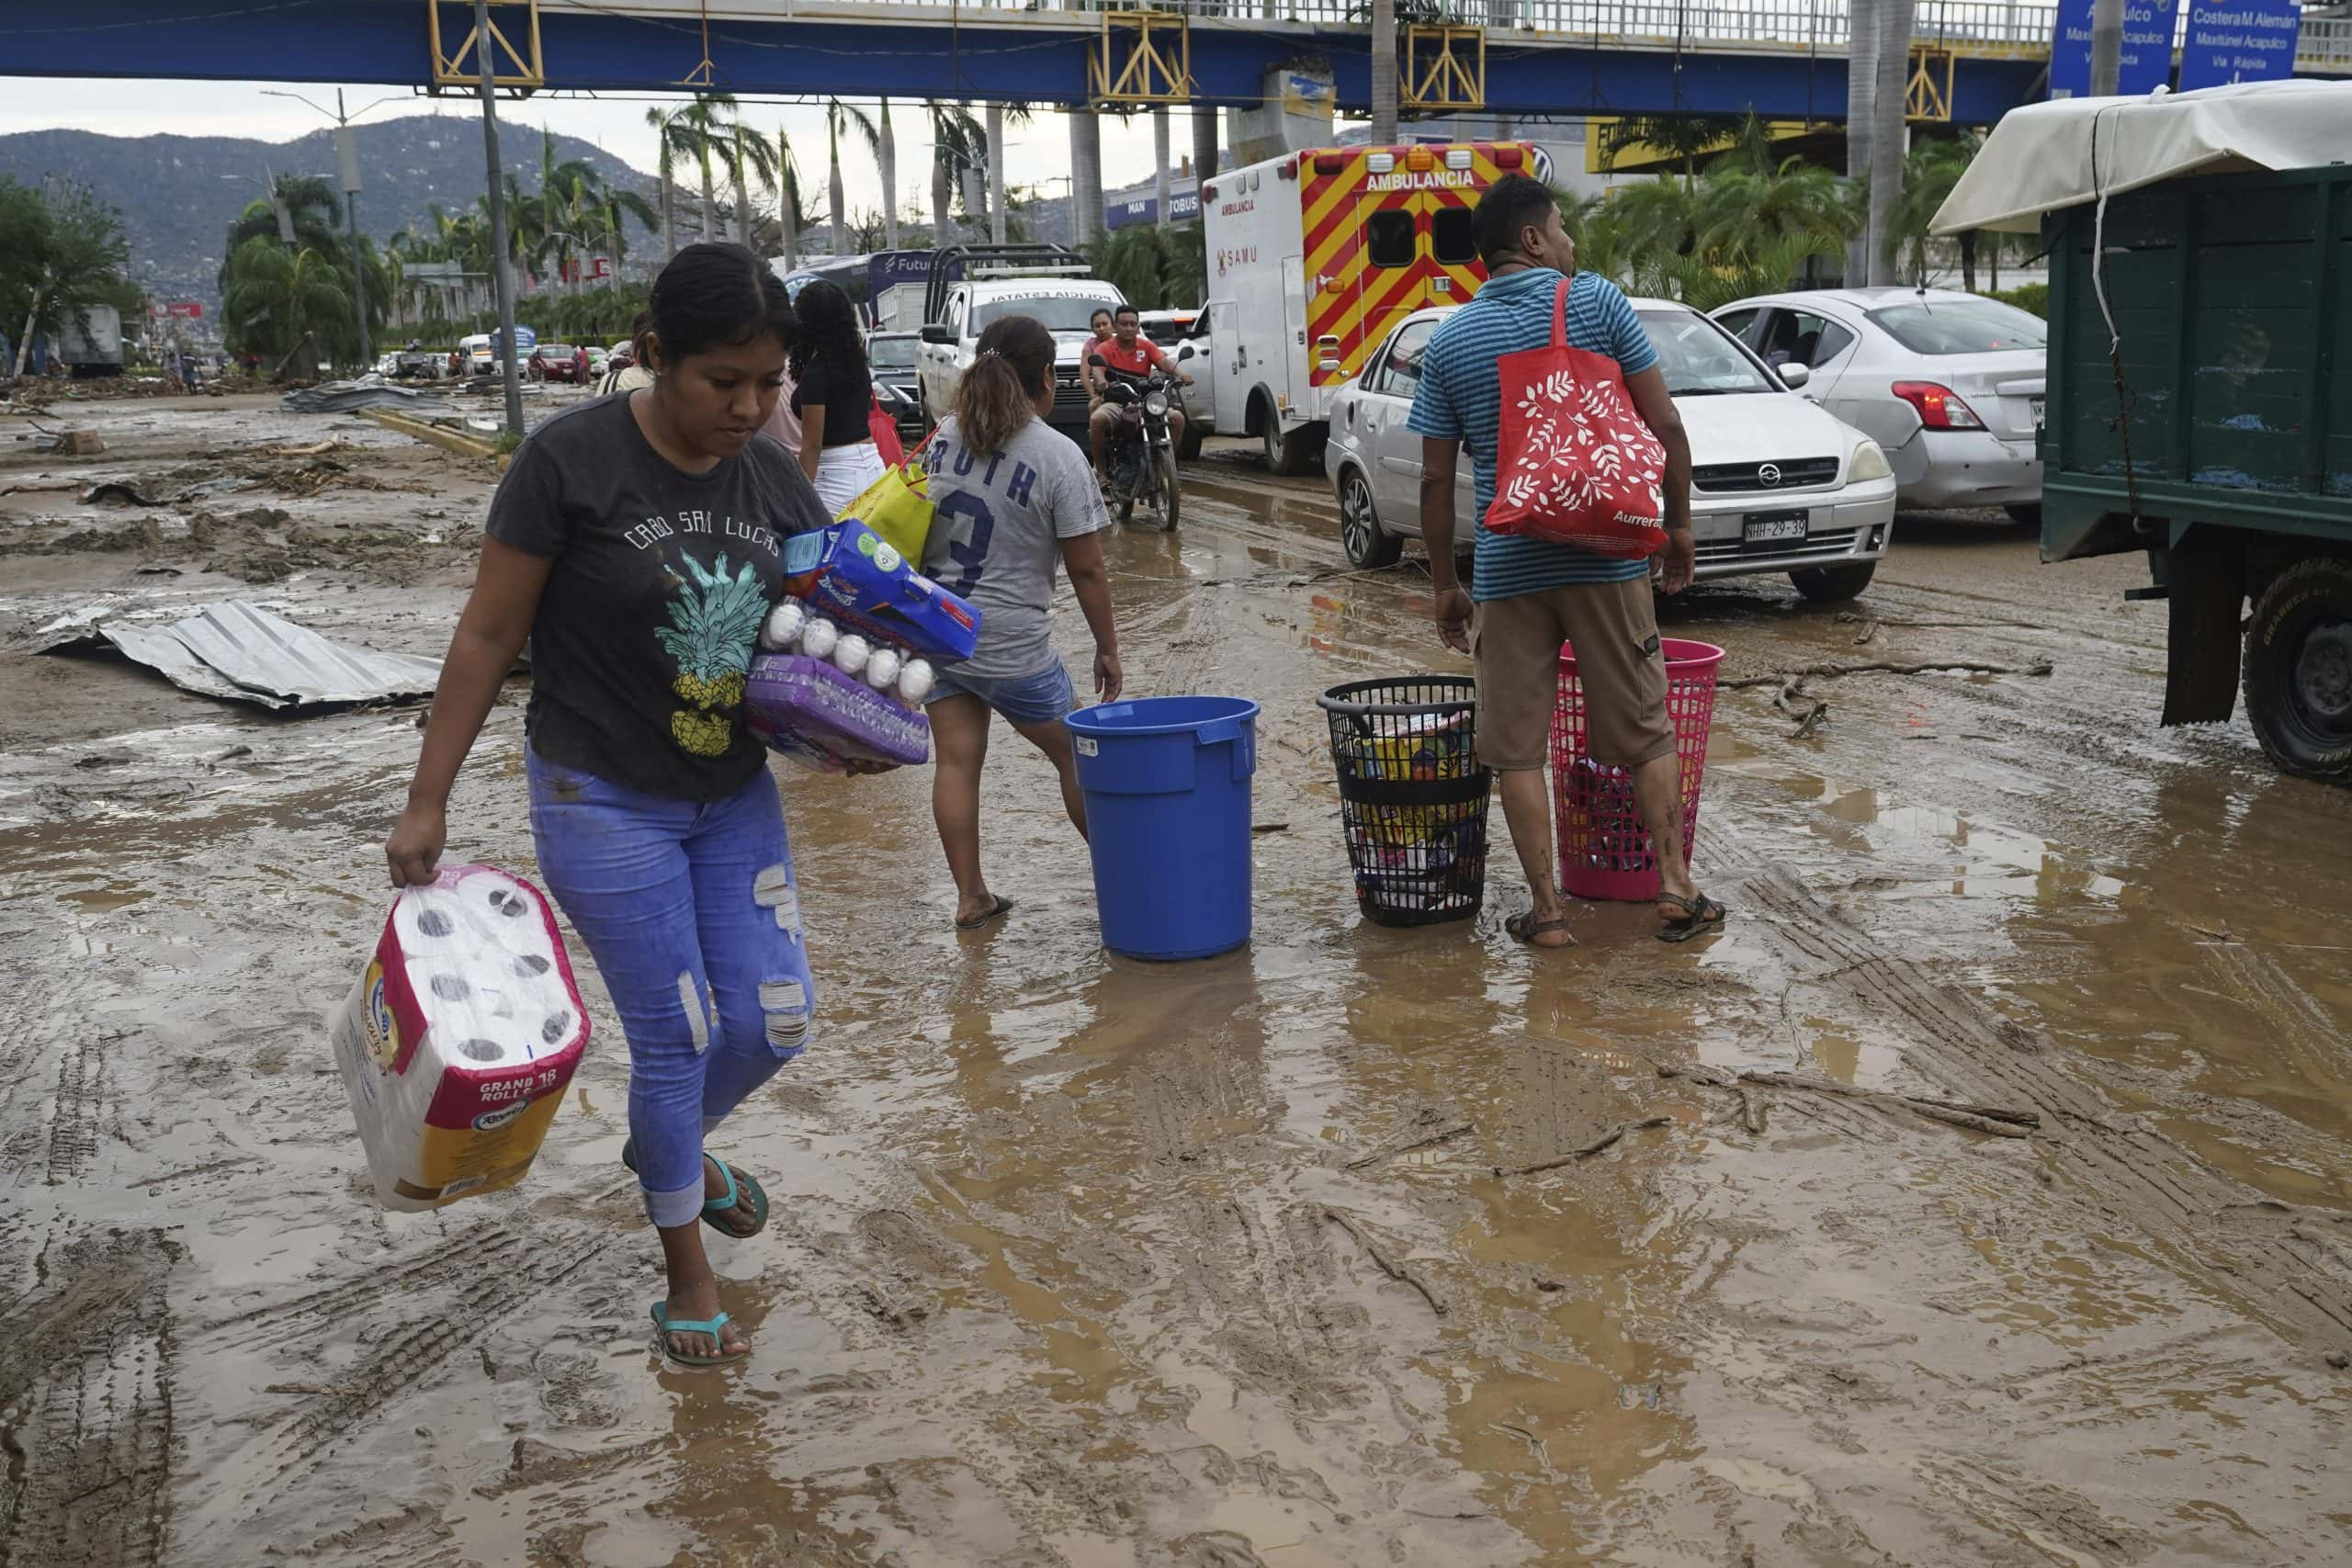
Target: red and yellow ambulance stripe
1349, 298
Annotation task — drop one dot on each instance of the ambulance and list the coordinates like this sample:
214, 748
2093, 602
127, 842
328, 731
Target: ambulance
1313, 256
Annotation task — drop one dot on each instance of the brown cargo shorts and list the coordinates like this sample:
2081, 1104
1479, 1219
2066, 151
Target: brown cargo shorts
1516, 645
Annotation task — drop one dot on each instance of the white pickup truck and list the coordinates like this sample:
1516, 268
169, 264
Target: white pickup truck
973, 285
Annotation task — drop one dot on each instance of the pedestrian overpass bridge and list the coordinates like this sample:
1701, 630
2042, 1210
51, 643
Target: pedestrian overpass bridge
1972, 59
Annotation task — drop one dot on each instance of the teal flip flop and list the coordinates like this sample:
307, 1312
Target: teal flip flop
711, 1326
714, 1208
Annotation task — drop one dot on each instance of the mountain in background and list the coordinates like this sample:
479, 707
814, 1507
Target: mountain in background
179, 194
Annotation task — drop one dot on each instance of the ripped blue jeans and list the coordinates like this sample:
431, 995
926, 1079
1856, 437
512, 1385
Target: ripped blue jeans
692, 917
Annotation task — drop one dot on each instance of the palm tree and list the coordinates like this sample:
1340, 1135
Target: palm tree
838, 114
664, 124
309, 201
1862, 119
620, 204
747, 155
886, 155
1204, 141
1929, 174
1163, 195
276, 298
787, 192
1893, 60
1384, 73
958, 145
705, 127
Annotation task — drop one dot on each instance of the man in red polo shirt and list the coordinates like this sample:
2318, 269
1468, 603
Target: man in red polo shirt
1128, 353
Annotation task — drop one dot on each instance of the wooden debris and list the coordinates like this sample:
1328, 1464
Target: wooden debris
1957, 666
1443, 1135
1395, 1271
1993, 1120
1606, 1140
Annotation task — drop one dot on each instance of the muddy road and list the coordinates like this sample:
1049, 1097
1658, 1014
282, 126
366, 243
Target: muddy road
1082, 1261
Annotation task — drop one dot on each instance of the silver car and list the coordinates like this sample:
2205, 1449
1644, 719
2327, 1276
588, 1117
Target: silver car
1776, 485
1949, 384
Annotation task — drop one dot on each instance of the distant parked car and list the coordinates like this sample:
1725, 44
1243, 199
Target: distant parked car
892, 356
560, 362
1777, 486
1949, 384
596, 361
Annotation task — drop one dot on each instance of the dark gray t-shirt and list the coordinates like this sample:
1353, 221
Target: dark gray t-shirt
996, 537
661, 581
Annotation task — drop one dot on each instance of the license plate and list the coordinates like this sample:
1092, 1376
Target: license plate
2036, 404
1769, 527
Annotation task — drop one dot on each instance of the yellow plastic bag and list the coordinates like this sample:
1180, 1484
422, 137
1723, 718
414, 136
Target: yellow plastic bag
897, 508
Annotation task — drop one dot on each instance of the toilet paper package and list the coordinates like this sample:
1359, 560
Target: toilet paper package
808, 710
457, 1041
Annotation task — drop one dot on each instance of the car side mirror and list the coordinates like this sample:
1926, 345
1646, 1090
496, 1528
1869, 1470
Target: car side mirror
937, 334
1793, 375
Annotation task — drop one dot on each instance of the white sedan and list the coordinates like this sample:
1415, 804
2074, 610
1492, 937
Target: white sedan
1776, 484
1949, 384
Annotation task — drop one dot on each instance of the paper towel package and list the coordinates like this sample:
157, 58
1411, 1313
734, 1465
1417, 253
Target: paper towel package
457, 1044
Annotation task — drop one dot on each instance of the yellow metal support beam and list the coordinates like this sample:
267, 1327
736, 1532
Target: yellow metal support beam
1927, 97
1142, 57
1443, 68
517, 71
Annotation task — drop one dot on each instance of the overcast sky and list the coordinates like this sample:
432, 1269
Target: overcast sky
1039, 151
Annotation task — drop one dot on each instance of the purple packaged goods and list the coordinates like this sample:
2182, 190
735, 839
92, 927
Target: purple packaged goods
821, 718
852, 575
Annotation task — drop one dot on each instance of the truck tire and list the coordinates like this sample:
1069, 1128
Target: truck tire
2299, 670
1368, 545
1290, 455
1833, 584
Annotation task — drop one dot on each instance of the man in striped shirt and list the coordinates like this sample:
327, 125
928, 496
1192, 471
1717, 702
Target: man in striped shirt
1531, 596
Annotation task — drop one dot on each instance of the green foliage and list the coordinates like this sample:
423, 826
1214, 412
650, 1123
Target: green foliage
62, 252
1933, 166
1157, 269
276, 298
2033, 297
1750, 225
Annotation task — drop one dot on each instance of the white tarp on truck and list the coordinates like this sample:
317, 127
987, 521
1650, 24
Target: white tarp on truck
2043, 157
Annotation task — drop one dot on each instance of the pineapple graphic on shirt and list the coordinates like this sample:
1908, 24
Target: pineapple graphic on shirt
712, 625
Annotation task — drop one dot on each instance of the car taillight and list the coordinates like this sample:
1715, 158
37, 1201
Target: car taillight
1940, 407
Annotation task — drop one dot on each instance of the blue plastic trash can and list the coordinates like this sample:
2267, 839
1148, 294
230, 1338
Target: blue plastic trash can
1167, 787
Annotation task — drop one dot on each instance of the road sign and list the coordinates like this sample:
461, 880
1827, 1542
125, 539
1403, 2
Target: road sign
2239, 41
2147, 48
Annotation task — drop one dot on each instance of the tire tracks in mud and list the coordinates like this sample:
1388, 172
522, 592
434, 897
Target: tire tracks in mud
86, 1425
406, 1336
2211, 1227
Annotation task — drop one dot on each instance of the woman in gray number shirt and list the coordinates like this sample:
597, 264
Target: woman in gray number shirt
1014, 498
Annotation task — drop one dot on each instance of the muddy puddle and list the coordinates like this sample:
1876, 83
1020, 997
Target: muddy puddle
1077, 1261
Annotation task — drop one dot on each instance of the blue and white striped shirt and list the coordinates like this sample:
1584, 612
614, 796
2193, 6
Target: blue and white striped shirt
1461, 398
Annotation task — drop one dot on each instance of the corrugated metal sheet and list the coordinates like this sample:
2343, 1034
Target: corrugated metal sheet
244, 653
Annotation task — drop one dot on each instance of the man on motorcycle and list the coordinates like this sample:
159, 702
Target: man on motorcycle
1128, 354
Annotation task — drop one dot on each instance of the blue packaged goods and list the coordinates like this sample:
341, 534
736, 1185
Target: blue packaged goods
850, 573
812, 712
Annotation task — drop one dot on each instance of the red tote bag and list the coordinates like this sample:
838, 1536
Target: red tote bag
1576, 465
885, 431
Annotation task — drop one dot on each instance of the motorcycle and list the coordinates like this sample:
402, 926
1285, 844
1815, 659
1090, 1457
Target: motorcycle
1143, 450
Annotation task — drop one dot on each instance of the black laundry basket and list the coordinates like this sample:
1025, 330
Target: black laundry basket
1412, 796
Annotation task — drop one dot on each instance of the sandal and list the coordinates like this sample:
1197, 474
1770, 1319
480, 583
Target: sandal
1004, 908
740, 1183
1699, 914
1526, 927
711, 1326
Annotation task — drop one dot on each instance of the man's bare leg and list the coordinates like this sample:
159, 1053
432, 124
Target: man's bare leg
1658, 794
1527, 807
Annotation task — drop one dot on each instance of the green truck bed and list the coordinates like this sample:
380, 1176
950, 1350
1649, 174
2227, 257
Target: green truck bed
2218, 436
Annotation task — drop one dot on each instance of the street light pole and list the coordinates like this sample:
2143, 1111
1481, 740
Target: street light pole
505, 283
346, 149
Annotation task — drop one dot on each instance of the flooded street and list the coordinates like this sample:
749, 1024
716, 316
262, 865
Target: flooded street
1078, 1260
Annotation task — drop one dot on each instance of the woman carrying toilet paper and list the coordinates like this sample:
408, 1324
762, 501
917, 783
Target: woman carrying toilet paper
637, 544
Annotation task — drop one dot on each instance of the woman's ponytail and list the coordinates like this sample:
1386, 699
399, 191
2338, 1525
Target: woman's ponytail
997, 398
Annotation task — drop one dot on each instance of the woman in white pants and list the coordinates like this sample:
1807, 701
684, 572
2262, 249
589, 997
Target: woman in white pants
832, 392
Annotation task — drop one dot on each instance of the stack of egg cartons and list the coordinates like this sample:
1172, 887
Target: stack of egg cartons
456, 1043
